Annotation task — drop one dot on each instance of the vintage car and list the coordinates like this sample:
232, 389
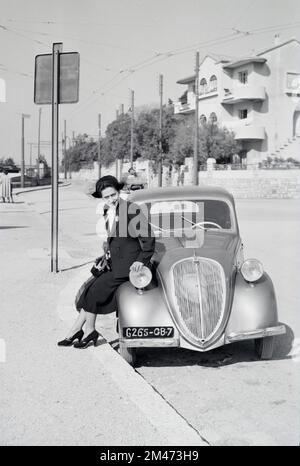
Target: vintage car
201, 292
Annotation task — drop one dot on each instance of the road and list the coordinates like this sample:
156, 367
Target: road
227, 395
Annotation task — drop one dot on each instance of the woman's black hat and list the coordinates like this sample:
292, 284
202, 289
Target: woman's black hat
107, 181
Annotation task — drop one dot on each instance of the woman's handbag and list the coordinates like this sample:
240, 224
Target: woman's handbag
101, 265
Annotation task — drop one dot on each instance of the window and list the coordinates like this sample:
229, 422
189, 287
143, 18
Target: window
293, 81
243, 76
213, 83
203, 86
203, 119
213, 117
243, 113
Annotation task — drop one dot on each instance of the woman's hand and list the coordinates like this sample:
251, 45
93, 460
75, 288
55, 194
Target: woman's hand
136, 266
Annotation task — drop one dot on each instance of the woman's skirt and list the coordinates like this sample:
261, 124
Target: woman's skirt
98, 294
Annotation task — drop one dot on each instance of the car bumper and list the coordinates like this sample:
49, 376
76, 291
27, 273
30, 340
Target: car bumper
150, 342
259, 333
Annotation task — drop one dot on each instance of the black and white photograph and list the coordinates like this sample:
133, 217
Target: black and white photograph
149, 226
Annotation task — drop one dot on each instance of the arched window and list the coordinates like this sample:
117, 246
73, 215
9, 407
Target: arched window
203, 119
203, 86
213, 83
213, 117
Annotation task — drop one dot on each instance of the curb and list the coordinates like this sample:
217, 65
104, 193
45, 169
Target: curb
38, 188
172, 427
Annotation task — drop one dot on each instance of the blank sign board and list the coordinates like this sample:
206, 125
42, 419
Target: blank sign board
68, 78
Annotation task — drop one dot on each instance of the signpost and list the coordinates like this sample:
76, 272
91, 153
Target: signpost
56, 81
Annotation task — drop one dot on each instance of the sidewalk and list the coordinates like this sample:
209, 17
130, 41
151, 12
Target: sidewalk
63, 396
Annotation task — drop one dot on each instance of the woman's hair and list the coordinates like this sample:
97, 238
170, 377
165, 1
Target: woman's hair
107, 182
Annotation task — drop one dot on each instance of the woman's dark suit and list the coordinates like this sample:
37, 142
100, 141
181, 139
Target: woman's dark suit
126, 245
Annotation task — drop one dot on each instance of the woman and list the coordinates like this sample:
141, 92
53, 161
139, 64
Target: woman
129, 249
6, 187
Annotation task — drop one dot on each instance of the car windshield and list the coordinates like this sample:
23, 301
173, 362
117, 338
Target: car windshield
171, 216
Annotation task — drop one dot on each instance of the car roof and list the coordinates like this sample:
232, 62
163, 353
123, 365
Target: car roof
185, 192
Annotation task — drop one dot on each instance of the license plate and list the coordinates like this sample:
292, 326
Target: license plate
148, 332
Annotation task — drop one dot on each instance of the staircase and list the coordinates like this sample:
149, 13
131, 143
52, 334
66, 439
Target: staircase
290, 148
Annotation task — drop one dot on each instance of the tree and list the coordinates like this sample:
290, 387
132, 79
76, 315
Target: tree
117, 139
147, 134
214, 141
83, 153
217, 142
7, 161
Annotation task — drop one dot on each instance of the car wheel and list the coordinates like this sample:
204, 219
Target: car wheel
264, 347
129, 354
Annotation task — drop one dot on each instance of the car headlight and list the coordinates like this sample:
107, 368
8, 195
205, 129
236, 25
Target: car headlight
252, 270
140, 279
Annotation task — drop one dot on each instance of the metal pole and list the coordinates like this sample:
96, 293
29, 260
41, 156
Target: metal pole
23, 151
132, 127
22, 155
57, 49
30, 155
65, 149
196, 144
99, 145
160, 156
39, 146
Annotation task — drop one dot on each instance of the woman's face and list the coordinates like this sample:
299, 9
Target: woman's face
110, 196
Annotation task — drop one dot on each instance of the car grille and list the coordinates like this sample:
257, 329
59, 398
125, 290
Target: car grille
200, 290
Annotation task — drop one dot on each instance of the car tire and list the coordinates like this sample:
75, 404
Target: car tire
264, 347
129, 354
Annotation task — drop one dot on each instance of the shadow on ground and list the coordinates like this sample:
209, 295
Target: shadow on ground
234, 353
10, 227
77, 266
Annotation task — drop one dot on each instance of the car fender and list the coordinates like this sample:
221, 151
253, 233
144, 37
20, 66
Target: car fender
148, 309
254, 305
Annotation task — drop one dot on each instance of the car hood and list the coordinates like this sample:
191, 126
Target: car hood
215, 245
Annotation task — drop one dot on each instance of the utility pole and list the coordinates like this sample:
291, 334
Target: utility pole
30, 160
122, 109
132, 128
23, 151
99, 145
39, 146
160, 156
65, 149
56, 50
196, 143
73, 145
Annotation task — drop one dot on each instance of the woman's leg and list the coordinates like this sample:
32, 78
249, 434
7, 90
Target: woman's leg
78, 324
90, 321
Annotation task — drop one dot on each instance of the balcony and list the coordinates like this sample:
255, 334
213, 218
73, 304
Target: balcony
186, 107
245, 129
243, 93
251, 132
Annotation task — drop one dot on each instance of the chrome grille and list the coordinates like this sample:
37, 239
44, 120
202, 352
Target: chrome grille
200, 290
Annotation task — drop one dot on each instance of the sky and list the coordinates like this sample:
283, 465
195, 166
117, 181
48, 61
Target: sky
123, 45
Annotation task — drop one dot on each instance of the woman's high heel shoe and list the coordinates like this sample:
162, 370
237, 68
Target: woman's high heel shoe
68, 341
86, 341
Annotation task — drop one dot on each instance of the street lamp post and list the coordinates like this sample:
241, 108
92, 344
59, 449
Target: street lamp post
24, 115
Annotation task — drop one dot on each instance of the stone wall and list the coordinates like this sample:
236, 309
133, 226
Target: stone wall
243, 184
253, 184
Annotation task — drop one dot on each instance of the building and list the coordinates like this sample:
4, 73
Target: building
257, 97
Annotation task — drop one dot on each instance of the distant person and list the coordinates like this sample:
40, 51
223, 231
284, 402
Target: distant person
132, 175
182, 178
5, 186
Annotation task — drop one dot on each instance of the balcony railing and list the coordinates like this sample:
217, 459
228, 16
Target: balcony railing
242, 93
